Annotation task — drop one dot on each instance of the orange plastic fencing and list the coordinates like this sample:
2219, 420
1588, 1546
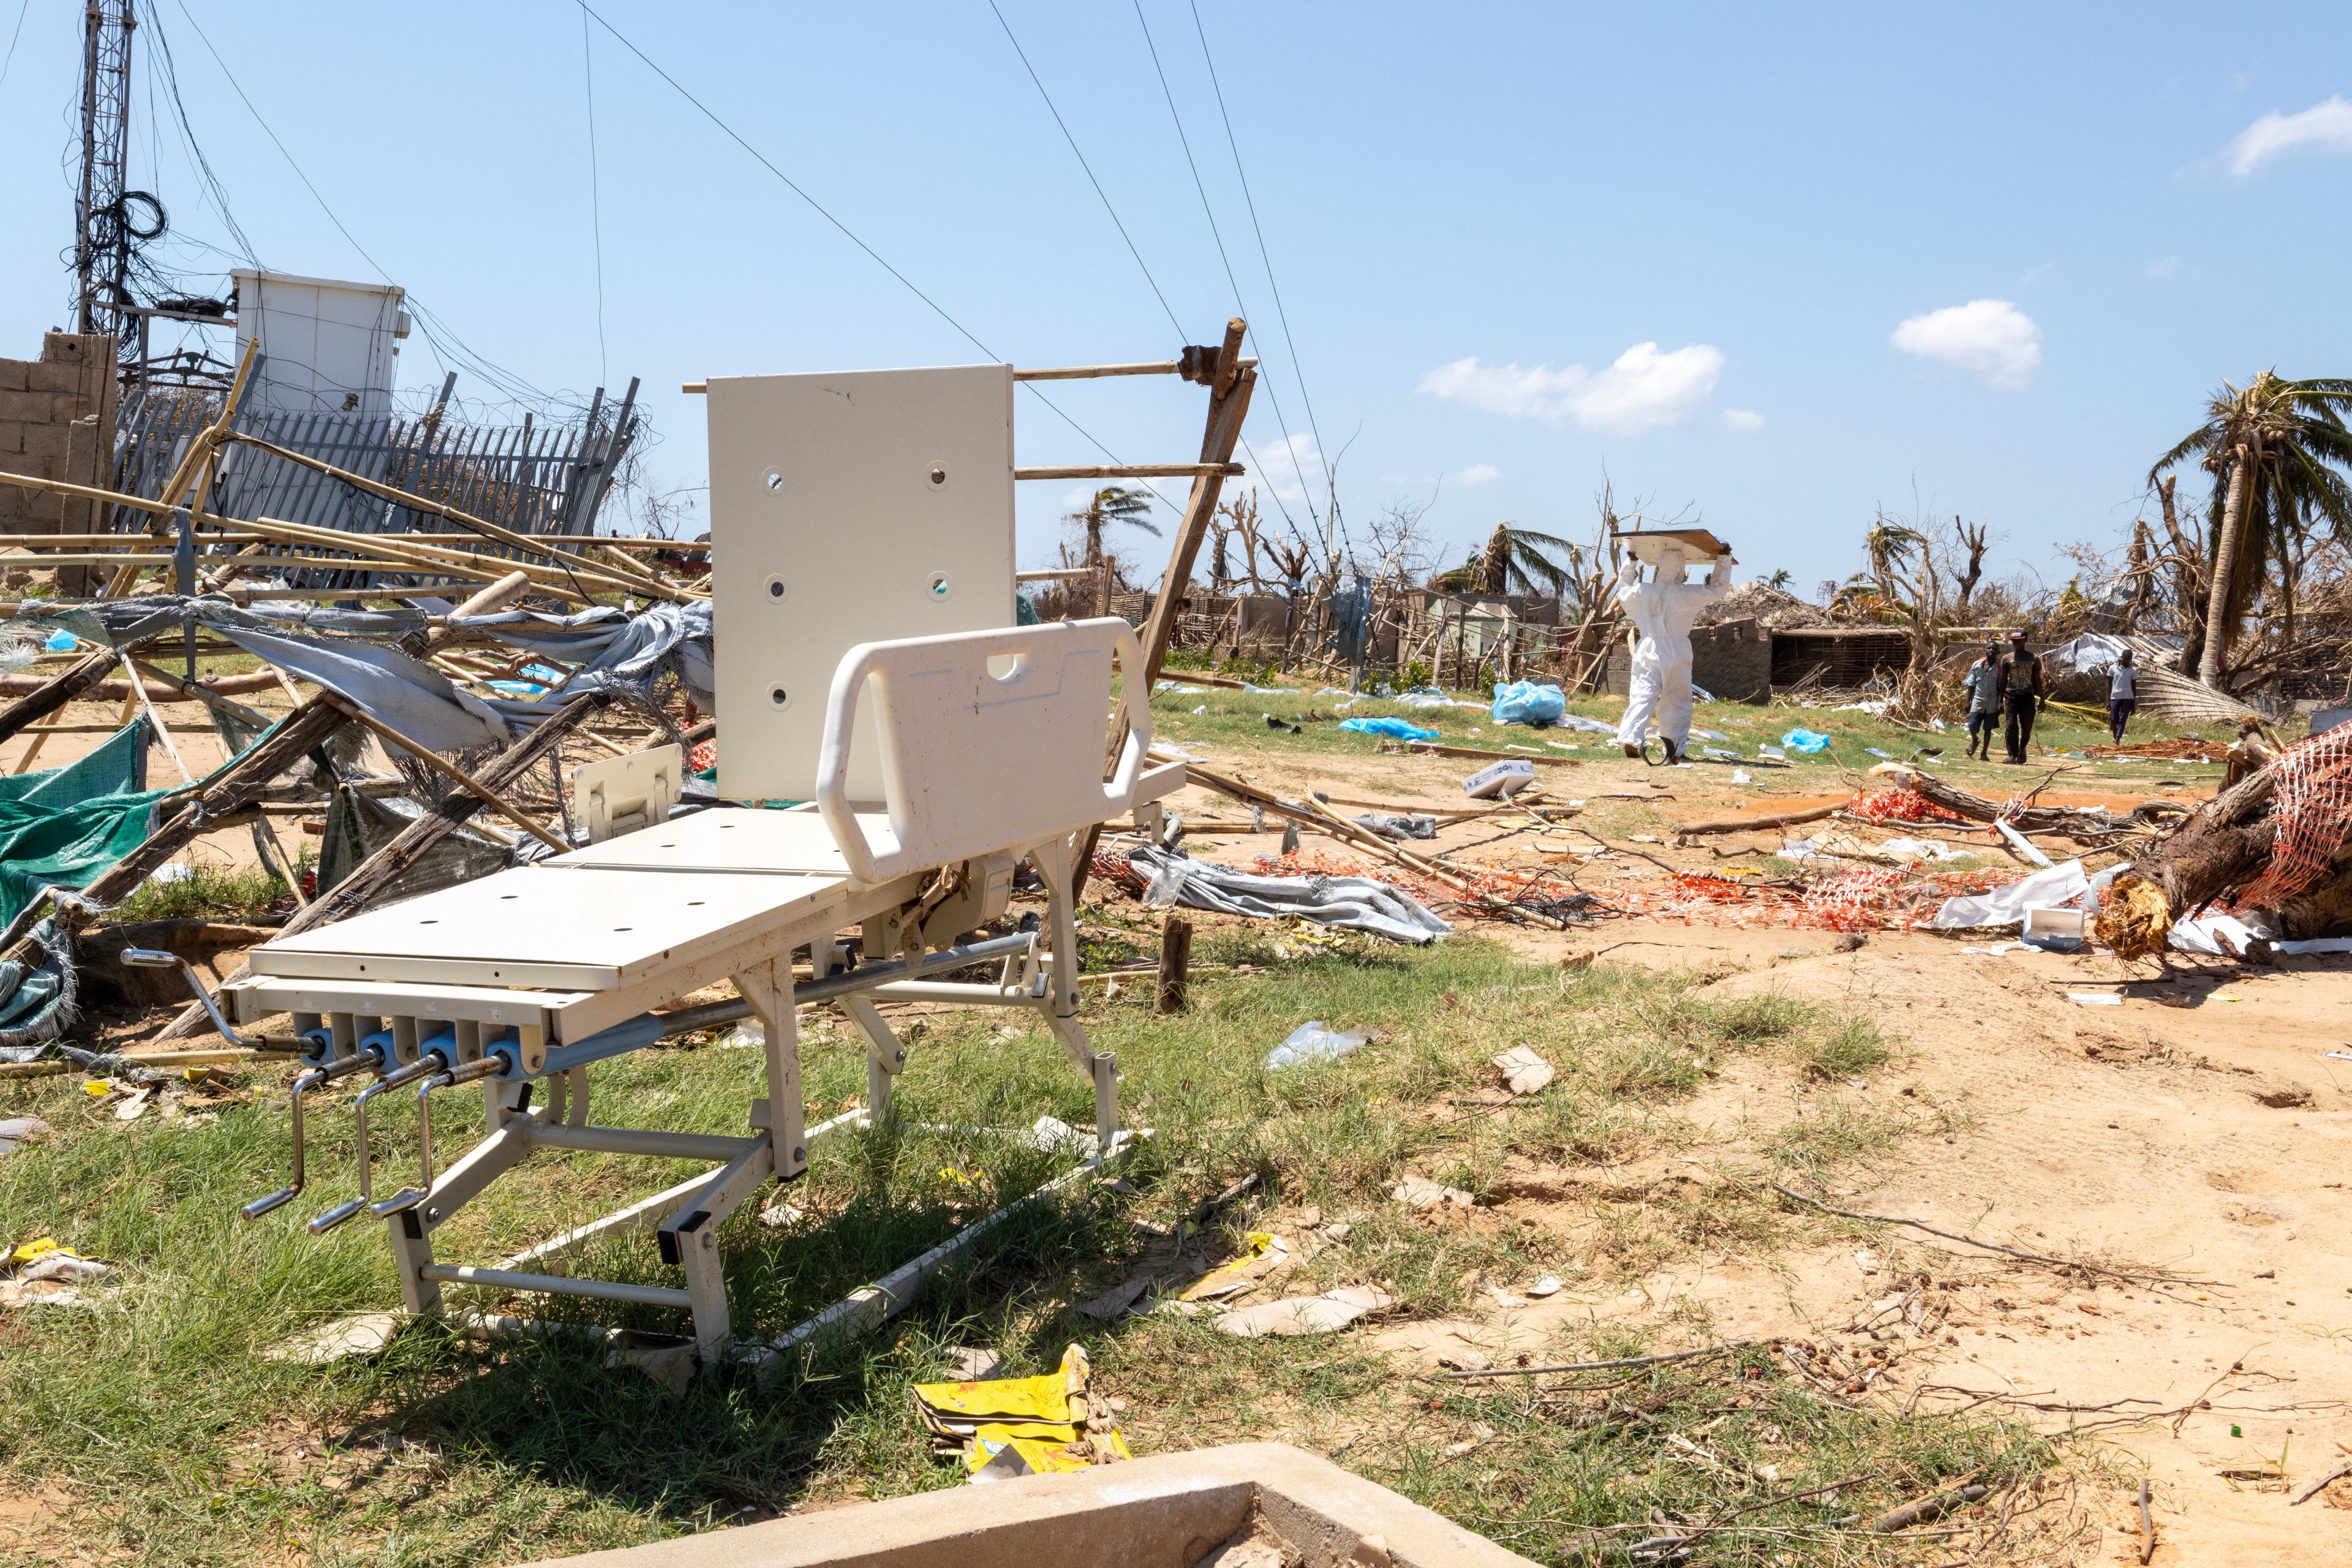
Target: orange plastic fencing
2311, 808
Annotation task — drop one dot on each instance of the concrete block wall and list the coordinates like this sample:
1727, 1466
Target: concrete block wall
40, 403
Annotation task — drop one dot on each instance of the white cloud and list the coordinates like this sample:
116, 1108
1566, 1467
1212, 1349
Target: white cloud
1990, 336
1287, 465
1644, 388
2324, 128
1479, 474
1746, 421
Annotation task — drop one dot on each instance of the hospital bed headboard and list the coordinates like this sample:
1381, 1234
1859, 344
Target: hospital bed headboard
990, 741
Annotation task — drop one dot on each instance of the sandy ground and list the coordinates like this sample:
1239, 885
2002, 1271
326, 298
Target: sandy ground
2197, 1131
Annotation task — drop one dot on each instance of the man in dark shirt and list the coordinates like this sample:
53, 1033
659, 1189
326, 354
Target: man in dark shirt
2021, 694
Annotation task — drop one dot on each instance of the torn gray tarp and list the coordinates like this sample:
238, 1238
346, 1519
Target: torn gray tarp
617, 651
1355, 903
401, 692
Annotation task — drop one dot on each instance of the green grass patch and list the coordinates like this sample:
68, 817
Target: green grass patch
181, 1443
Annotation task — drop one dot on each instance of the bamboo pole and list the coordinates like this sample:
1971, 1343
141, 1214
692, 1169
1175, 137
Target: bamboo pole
163, 731
647, 582
451, 771
1134, 471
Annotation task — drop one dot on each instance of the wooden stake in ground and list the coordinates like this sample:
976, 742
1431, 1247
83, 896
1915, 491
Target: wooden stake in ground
1175, 961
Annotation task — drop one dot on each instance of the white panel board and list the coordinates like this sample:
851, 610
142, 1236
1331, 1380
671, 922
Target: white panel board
741, 839
846, 509
575, 928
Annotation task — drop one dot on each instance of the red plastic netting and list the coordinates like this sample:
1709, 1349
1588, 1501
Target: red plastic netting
1901, 804
2311, 810
704, 756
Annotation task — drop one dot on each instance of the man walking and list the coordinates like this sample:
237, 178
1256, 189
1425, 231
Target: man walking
2123, 694
2021, 694
1982, 684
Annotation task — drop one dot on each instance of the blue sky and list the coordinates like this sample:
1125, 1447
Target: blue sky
1986, 263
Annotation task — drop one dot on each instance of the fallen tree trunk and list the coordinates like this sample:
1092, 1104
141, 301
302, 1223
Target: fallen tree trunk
1742, 824
68, 685
2093, 826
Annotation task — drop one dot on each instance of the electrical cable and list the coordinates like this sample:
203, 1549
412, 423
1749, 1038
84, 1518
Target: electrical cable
434, 329
1298, 367
1073, 140
595, 198
1218, 236
846, 233
13, 36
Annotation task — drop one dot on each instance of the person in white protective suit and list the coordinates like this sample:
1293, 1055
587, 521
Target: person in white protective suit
1662, 611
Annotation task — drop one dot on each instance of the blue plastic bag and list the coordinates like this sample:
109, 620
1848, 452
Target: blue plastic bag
61, 641
1803, 740
1525, 702
1395, 728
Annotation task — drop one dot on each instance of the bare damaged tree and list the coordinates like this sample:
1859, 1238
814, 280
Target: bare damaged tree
1975, 539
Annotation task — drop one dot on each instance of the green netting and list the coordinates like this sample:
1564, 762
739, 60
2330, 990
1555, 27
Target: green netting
62, 826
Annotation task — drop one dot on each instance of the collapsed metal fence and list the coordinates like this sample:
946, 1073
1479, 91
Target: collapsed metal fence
534, 478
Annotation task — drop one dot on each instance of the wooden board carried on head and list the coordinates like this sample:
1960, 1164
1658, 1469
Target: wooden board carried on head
1697, 544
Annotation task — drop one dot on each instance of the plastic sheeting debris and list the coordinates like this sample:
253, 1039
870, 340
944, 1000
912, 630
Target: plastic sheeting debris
1805, 741
1356, 903
2006, 906
1527, 702
1395, 728
1315, 1041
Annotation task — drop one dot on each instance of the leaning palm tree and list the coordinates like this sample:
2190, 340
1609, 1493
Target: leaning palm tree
1112, 503
1518, 560
2279, 452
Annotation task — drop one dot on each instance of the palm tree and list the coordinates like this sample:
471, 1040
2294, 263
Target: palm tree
1112, 503
2279, 451
1517, 560
1780, 579
1890, 546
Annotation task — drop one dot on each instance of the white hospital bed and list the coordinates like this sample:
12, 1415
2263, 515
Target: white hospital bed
991, 749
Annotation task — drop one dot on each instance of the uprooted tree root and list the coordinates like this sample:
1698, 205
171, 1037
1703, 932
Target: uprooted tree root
2133, 918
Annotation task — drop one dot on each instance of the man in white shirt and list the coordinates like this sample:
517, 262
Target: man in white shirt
2123, 694
1663, 610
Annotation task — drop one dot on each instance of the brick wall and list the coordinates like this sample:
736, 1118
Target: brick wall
40, 400
1732, 661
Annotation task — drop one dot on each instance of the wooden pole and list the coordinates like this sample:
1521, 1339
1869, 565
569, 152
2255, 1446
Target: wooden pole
1229, 398
139, 690
1175, 961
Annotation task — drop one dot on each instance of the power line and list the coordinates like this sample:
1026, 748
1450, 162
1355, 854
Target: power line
819, 208
434, 329
1073, 140
595, 198
13, 36
1298, 367
1218, 236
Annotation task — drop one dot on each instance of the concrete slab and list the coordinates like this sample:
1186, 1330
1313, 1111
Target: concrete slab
1169, 1512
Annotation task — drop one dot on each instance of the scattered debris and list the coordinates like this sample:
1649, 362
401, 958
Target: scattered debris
1421, 1192
1545, 1285
339, 1339
1264, 1252
21, 1130
1006, 1428
1115, 1302
1315, 1041
1324, 1314
1524, 1072
41, 1273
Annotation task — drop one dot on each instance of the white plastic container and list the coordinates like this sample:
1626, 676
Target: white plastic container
2057, 930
